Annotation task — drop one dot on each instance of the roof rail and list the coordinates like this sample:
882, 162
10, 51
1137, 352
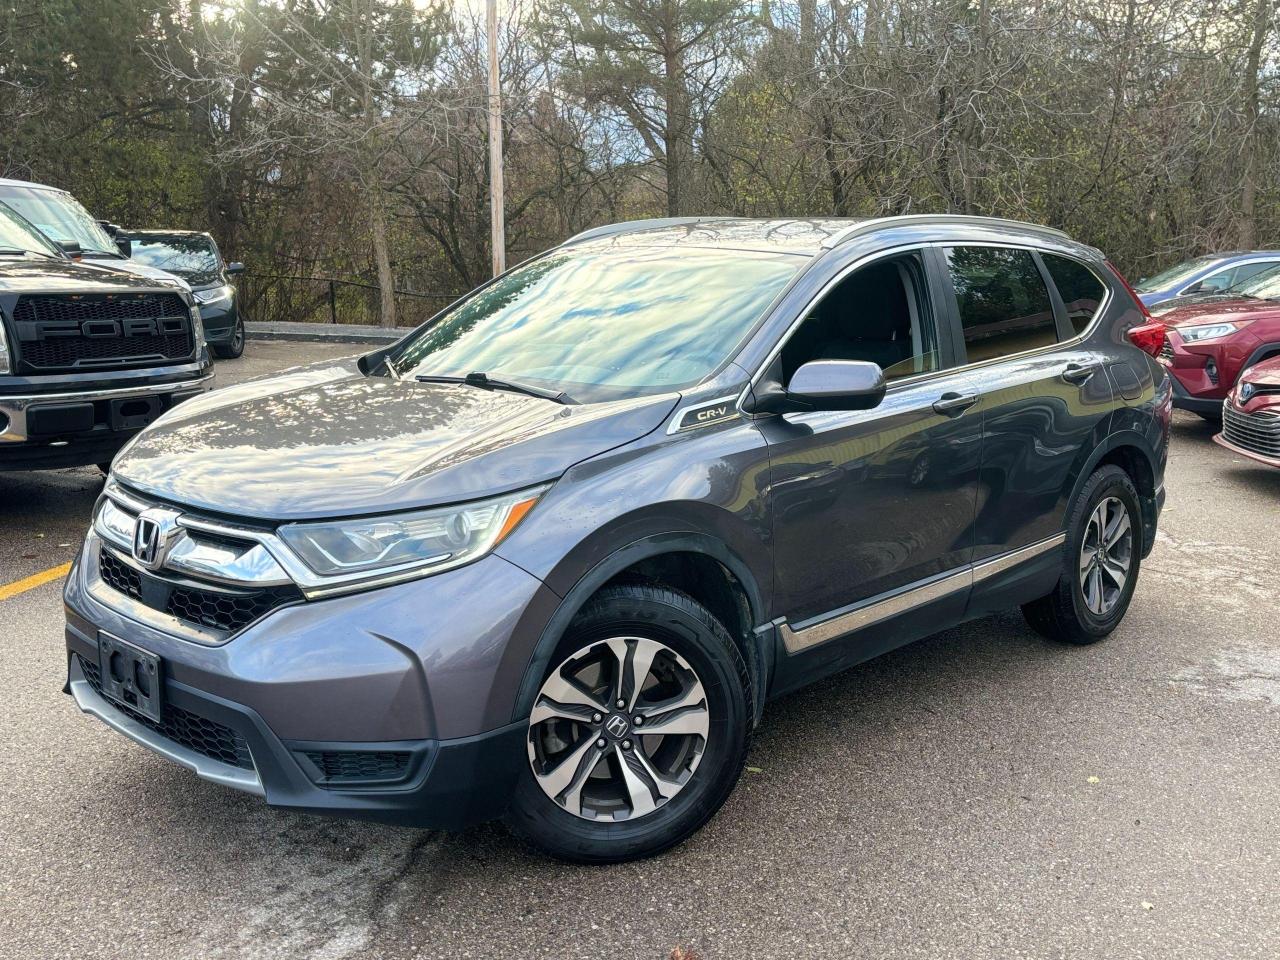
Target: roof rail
870, 226
634, 226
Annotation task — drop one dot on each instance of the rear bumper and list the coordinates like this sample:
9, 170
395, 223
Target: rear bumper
77, 427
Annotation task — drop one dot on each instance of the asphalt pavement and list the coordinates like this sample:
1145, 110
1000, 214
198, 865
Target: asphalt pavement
980, 794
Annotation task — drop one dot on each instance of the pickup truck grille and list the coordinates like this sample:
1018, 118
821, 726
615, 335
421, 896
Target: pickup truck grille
98, 331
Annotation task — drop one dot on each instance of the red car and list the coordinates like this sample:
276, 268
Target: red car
1251, 415
1208, 344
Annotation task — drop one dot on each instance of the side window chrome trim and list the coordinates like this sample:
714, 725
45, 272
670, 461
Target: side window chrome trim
1103, 306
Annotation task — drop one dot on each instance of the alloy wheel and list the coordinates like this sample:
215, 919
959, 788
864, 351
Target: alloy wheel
1106, 555
618, 729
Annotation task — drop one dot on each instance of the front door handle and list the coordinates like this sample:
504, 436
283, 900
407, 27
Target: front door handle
954, 404
1079, 372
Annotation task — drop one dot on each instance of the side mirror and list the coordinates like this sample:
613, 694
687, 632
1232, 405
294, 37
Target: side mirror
235, 266
1194, 288
70, 248
125, 246
824, 385
111, 228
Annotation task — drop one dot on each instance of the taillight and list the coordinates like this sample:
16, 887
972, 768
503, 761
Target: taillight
1149, 337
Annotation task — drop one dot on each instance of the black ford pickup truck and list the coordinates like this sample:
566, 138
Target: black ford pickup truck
88, 356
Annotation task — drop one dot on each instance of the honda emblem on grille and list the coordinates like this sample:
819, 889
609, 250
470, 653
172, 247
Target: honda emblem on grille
152, 536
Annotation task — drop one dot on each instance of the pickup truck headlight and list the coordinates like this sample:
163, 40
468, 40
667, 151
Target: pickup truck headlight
429, 540
214, 295
1207, 331
197, 325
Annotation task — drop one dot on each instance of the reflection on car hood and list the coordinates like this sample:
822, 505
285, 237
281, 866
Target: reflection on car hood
327, 441
1221, 311
68, 276
139, 269
1266, 373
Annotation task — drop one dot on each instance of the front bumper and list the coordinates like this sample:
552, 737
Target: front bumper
219, 320
73, 427
346, 682
1185, 401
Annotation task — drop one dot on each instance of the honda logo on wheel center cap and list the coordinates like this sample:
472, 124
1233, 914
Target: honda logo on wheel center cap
617, 726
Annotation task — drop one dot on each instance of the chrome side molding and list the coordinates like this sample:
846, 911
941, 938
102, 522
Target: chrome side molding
879, 609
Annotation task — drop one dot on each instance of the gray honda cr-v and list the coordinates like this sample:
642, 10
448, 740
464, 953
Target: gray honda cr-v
547, 557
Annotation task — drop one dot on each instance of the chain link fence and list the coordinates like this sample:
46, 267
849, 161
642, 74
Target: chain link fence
270, 298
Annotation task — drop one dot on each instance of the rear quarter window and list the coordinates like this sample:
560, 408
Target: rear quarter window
1081, 290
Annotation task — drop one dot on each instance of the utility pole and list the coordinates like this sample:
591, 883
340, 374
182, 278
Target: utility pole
496, 218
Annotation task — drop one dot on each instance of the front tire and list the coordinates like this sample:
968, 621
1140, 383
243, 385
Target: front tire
233, 348
1101, 560
639, 731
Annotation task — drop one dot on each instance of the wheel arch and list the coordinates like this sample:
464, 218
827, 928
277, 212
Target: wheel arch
652, 558
1130, 451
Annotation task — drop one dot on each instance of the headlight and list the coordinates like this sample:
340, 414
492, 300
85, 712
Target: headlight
5, 366
429, 540
214, 294
197, 325
1207, 331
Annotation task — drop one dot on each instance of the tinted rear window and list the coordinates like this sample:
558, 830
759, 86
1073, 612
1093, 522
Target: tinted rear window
1080, 289
1004, 305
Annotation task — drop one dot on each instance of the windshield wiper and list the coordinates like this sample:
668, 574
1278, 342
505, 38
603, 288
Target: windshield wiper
484, 381
18, 252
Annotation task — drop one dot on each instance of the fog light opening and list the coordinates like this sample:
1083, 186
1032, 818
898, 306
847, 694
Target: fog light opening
1211, 369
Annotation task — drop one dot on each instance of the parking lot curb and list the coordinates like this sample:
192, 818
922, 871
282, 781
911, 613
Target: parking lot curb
322, 332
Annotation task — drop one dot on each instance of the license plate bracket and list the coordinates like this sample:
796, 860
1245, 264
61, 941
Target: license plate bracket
131, 676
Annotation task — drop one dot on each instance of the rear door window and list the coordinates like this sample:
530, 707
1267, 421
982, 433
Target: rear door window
1081, 290
1002, 300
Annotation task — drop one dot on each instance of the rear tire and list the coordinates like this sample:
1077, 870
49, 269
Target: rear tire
1101, 560
599, 787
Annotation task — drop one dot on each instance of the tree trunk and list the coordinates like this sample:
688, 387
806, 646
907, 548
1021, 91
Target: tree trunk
1253, 142
382, 256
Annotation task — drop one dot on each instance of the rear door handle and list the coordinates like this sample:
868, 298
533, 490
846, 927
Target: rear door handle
1079, 372
954, 404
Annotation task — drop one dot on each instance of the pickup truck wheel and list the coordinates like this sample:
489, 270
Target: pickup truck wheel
1101, 559
639, 731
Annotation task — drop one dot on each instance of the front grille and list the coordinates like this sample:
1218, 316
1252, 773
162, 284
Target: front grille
187, 729
229, 612
226, 612
118, 575
1256, 432
77, 332
1166, 350
356, 766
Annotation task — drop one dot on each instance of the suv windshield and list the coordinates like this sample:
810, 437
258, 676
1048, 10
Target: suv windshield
604, 324
190, 256
17, 234
60, 217
1174, 275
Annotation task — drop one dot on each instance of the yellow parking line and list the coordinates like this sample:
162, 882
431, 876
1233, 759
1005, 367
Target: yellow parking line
9, 590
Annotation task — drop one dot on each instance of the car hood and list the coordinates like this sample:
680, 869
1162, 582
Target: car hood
328, 441
139, 269
1266, 373
67, 276
1221, 311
